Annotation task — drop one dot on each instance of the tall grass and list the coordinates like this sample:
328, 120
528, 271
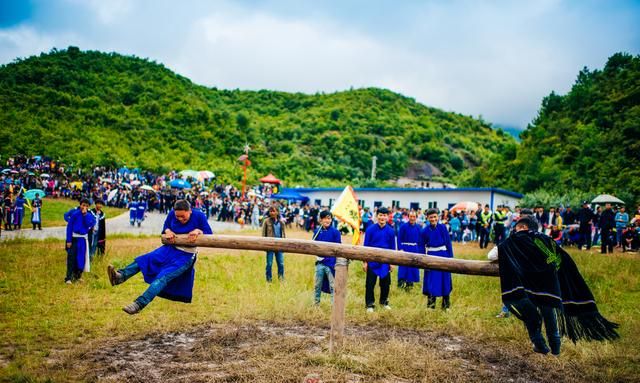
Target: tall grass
41, 315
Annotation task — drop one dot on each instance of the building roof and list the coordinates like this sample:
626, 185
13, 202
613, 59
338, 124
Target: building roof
421, 190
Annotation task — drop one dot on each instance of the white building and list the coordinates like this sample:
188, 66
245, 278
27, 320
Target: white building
414, 198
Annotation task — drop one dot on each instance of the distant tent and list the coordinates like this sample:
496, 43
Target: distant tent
270, 179
290, 194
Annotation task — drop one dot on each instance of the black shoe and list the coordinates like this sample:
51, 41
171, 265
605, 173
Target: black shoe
133, 308
539, 350
115, 278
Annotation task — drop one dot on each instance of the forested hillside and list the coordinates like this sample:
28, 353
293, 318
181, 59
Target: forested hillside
88, 107
587, 140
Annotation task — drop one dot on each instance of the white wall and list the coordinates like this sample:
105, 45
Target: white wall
441, 198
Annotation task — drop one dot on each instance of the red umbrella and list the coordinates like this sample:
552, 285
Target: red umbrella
464, 205
270, 179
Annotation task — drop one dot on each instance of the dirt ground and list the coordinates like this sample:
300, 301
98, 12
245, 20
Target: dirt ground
268, 352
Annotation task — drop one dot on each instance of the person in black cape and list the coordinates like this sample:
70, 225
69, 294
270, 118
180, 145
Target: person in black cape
540, 282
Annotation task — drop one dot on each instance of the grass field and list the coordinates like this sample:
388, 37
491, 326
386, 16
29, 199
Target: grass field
253, 331
53, 211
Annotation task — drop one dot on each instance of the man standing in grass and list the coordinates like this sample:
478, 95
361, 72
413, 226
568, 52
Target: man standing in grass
435, 237
381, 236
409, 240
273, 227
79, 222
325, 266
36, 212
169, 269
99, 233
133, 211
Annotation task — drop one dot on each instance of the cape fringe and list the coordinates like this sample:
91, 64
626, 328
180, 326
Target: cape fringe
586, 326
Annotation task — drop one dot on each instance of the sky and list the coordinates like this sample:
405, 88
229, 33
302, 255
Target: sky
495, 59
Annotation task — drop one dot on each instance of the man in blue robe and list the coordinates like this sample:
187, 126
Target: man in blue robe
79, 222
133, 212
18, 211
325, 266
169, 269
381, 236
142, 207
435, 237
409, 240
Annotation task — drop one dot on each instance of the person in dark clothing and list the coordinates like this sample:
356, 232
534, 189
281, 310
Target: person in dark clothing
585, 217
485, 219
569, 217
541, 283
630, 239
542, 218
607, 223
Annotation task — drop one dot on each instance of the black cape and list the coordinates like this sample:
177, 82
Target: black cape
533, 267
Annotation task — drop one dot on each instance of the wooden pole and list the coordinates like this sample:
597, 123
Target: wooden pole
339, 303
326, 249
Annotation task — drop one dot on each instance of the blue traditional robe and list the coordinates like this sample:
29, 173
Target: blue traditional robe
438, 243
142, 206
383, 238
168, 258
19, 210
78, 226
329, 235
133, 211
410, 240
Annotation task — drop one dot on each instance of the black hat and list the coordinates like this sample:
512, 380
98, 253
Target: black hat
585, 202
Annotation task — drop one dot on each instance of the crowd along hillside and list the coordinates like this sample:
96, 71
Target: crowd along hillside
93, 108
587, 141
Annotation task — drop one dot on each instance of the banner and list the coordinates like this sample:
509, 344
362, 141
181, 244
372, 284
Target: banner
346, 209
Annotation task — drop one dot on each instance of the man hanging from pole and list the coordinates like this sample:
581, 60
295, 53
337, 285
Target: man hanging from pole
541, 283
169, 269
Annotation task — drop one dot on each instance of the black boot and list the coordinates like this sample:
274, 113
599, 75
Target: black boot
446, 303
431, 302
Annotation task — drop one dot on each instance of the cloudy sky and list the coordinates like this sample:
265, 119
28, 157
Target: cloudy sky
496, 59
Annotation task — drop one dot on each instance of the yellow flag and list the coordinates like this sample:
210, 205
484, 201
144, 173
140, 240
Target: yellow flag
346, 209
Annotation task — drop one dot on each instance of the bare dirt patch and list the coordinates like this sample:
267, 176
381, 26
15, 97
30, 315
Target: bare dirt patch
272, 352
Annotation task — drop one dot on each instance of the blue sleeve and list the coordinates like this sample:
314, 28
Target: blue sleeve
69, 220
89, 220
424, 239
392, 240
367, 239
337, 236
168, 221
68, 214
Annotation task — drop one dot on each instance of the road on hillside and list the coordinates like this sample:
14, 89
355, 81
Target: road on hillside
152, 225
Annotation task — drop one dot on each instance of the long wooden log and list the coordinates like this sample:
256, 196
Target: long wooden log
325, 249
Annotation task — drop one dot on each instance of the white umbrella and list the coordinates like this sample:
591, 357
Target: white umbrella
126, 185
607, 198
204, 193
206, 174
112, 195
44, 175
135, 183
147, 187
190, 173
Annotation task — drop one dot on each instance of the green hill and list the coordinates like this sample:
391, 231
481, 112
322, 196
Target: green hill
88, 107
587, 141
